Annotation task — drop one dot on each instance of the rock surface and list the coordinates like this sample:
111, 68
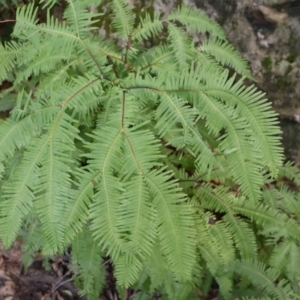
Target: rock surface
267, 33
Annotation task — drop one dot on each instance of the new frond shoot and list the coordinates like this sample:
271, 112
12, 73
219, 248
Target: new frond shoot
143, 148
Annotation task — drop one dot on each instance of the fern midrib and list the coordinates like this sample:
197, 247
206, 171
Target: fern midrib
75, 17
170, 221
138, 211
155, 62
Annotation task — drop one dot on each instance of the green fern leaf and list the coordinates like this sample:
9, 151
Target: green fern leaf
224, 53
263, 278
87, 262
180, 44
124, 19
148, 27
196, 21
176, 225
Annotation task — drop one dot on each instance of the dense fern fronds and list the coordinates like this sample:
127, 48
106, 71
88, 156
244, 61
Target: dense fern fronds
263, 278
87, 264
154, 158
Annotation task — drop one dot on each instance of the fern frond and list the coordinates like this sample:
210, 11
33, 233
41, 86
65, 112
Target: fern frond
78, 213
280, 256
148, 26
136, 216
138, 143
79, 18
136, 213
156, 59
104, 215
251, 105
176, 226
267, 216
104, 209
220, 201
172, 111
285, 256
223, 240
128, 268
225, 53
180, 44
16, 135
196, 21
17, 198
53, 192
211, 257
289, 201
291, 172
75, 94
123, 20
41, 64
8, 55
243, 236
27, 21
263, 278
87, 262
156, 266
236, 146
292, 270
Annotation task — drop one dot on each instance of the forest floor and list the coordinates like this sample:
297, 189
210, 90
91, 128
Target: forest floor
36, 283
52, 283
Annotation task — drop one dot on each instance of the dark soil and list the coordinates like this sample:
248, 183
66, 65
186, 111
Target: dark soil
37, 283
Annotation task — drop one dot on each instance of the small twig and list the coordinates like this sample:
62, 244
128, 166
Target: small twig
113, 66
8, 21
128, 46
56, 287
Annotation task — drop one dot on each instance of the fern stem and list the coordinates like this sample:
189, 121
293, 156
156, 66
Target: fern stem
128, 45
123, 110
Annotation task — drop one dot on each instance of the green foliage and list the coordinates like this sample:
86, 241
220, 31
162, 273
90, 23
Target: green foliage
7, 3
156, 158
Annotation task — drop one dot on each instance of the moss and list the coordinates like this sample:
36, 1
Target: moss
282, 83
291, 58
267, 63
288, 70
